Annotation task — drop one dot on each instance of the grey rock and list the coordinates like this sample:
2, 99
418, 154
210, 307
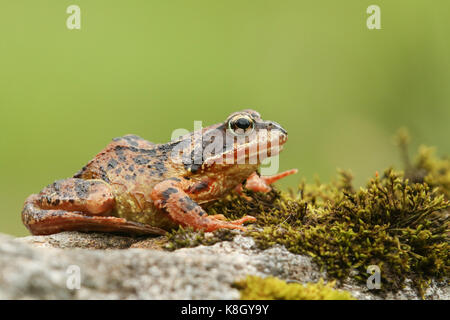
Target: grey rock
45, 267
80, 240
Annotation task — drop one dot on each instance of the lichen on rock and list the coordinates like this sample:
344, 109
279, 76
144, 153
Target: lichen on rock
271, 288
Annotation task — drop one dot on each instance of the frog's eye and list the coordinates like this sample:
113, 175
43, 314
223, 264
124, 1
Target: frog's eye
241, 125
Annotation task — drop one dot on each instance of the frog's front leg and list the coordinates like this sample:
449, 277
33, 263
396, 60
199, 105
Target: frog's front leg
170, 196
77, 204
258, 183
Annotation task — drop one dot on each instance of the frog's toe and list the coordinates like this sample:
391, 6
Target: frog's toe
243, 220
262, 183
217, 216
216, 224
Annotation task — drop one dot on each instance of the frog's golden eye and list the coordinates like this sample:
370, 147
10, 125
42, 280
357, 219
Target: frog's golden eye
241, 125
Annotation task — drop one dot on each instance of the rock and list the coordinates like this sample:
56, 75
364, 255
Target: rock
45, 267
81, 240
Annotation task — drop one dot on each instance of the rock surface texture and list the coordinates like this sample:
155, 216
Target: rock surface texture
118, 267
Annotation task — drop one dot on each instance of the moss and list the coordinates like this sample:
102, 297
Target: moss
399, 221
188, 238
427, 167
256, 288
393, 224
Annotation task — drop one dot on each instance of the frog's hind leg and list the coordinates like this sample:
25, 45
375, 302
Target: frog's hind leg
77, 204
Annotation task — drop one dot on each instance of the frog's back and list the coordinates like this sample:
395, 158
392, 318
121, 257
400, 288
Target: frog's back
130, 161
132, 170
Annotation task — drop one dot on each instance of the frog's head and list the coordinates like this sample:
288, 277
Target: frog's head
254, 135
244, 138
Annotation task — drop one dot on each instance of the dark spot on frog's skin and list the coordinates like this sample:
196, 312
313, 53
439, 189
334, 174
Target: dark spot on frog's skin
112, 163
163, 156
254, 114
166, 193
163, 148
210, 136
187, 178
56, 202
128, 177
141, 160
159, 166
81, 189
71, 201
151, 171
103, 175
119, 170
131, 168
56, 186
133, 137
192, 167
194, 162
119, 150
141, 170
174, 179
188, 204
163, 151
80, 173
151, 152
131, 140
200, 187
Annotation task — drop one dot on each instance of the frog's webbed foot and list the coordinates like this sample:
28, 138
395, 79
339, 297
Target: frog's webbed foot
170, 196
262, 183
77, 204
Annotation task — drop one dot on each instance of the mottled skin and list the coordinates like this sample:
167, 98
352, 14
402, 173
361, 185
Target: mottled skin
137, 187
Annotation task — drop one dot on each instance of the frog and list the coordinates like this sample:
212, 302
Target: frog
137, 187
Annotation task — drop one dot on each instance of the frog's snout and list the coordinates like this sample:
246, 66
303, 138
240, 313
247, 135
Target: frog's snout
276, 126
279, 131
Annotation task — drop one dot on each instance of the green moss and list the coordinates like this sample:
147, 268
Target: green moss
398, 221
427, 167
188, 238
391, 223
256, 288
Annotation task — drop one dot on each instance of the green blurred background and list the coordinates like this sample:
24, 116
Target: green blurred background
148, 67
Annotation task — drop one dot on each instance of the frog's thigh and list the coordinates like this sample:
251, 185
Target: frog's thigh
88, 196
69, 205
168, 195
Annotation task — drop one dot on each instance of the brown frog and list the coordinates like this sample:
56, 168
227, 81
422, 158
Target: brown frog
134, 186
